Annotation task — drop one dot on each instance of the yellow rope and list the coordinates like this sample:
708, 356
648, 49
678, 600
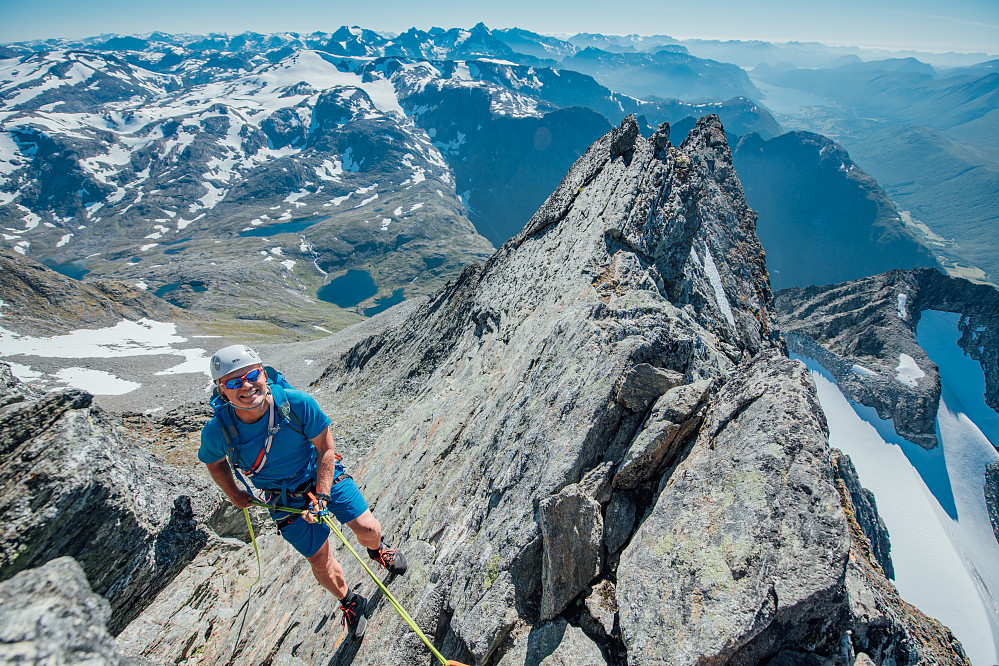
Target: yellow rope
388, 595
253, 538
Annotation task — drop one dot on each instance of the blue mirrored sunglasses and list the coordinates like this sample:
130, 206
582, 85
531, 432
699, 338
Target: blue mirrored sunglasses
251, 376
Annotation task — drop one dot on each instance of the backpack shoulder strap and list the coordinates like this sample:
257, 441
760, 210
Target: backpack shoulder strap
278, 385
227, 425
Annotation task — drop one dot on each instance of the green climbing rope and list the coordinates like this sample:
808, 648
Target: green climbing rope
253, 538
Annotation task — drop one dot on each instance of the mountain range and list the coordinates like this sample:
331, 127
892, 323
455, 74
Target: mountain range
385, 164
592, 449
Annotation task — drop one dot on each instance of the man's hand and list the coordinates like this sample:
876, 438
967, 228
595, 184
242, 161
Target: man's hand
317, 509
241, 499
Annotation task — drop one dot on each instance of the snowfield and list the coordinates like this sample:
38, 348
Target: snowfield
124, 340
945, 554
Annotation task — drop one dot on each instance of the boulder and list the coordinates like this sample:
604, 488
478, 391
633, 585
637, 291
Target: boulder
49, 615
744, 551
573, 530
555, 643
673, 418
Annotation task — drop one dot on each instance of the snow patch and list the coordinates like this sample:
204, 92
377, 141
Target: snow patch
711, 270
126, 338
97, 382
861, 370
907, 371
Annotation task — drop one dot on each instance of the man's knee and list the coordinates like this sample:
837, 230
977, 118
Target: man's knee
366, 526
322, 557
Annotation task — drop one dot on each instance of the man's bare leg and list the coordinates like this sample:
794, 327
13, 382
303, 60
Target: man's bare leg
328, 571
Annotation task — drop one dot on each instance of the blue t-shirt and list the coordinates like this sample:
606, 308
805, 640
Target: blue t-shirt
291, 454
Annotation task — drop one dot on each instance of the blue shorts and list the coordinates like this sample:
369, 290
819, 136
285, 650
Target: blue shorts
346, 504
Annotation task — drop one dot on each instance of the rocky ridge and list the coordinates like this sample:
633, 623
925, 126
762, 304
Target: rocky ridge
563, 404
860, 331
608, 391
992, 496
39, 301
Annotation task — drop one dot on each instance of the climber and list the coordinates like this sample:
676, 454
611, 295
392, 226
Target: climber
280, 439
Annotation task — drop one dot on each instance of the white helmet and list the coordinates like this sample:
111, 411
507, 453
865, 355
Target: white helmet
233, 357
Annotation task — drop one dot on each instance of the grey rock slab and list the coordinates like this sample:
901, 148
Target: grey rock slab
672, 418
555, 643
572, 528
49, 615
645, 383
746, 545
619, 521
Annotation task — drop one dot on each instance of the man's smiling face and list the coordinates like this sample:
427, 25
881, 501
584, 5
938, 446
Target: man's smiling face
249, 394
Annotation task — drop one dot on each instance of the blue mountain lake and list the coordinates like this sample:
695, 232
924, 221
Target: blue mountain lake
348, 290
293, 227
71, 269
385, 303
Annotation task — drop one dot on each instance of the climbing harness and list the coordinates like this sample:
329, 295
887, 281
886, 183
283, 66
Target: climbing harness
325, 519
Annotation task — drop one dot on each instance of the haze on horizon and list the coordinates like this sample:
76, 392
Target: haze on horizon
967, 26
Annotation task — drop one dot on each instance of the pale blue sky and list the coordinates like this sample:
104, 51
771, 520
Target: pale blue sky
960, 25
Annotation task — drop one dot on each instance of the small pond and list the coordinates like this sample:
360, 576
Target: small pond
71, 269
293, 227
382, 304
196, 287
348, 290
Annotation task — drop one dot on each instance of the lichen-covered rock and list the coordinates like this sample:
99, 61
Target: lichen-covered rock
49, 615
744, 550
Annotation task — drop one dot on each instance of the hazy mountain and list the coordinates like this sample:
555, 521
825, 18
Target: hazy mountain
663, 74
902, 89
821, 218
928, 136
